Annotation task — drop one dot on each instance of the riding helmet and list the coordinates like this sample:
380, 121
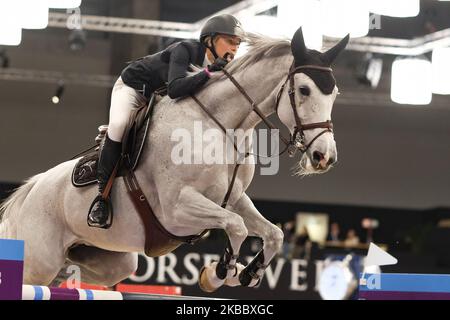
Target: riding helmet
222, 24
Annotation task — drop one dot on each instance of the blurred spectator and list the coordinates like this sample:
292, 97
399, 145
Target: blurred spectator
256, 245
289, 233
370, 225
302, 245
334, 232
352, 239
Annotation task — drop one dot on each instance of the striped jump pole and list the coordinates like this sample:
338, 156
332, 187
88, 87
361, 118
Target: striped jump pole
49, 293
404, 286
12, 287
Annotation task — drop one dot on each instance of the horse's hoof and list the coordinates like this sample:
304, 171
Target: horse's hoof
204, 282
233, 281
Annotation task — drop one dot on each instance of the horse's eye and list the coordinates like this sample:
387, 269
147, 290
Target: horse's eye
305, 91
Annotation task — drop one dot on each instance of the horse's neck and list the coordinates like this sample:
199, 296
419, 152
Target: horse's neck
261, 81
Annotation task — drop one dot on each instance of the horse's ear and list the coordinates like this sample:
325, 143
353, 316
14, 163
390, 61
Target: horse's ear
332, 53
298, 46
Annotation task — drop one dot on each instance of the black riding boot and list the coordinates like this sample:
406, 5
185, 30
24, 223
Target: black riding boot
101, 209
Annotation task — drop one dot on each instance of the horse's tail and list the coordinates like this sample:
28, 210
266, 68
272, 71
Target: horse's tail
17, 197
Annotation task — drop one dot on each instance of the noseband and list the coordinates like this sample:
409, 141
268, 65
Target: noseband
297, 139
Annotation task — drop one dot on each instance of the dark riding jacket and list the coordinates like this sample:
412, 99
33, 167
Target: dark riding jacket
168, 68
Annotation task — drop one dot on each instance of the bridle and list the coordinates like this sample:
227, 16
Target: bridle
297, 139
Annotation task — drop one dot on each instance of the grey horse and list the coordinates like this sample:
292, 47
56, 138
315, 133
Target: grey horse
50, 214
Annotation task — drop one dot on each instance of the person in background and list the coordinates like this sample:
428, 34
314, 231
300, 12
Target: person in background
288, 243
335, 231
302, 245
352, 239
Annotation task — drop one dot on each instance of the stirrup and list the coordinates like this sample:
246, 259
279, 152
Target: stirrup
109, 222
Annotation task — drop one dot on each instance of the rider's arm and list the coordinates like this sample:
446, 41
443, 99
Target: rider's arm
179, 83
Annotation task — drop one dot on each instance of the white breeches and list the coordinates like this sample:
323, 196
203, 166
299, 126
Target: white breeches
124, 101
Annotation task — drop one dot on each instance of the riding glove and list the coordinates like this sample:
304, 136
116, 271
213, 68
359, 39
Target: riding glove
217, 65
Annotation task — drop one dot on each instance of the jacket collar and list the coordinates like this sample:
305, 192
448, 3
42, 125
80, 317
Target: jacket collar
200, 54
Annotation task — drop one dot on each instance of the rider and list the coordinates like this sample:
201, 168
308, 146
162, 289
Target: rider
219, 40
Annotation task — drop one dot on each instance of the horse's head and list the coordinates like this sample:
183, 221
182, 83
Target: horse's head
305, 108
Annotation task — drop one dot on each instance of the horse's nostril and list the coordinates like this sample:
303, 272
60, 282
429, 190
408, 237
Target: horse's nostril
330, 161
318, 156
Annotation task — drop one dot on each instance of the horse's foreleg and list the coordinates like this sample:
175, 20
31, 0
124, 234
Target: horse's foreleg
195, 210
271, 235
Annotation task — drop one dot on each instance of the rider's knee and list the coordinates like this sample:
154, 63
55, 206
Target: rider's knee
116, 130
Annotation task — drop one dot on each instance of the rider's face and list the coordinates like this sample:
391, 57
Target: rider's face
227, 44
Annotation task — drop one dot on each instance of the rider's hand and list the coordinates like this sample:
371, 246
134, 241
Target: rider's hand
217, 65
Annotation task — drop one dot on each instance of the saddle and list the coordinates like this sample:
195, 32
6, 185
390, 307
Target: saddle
85, 171
158, 241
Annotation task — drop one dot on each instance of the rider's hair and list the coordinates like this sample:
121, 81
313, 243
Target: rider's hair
208, 40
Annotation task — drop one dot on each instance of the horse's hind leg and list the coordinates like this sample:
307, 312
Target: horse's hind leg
44, 252
195, 210
102, 267
271, 235
41, 263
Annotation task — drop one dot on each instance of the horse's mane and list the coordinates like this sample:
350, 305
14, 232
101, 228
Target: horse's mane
259, 47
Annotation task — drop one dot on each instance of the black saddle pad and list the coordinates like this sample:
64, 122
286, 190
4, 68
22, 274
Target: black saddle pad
85, 170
